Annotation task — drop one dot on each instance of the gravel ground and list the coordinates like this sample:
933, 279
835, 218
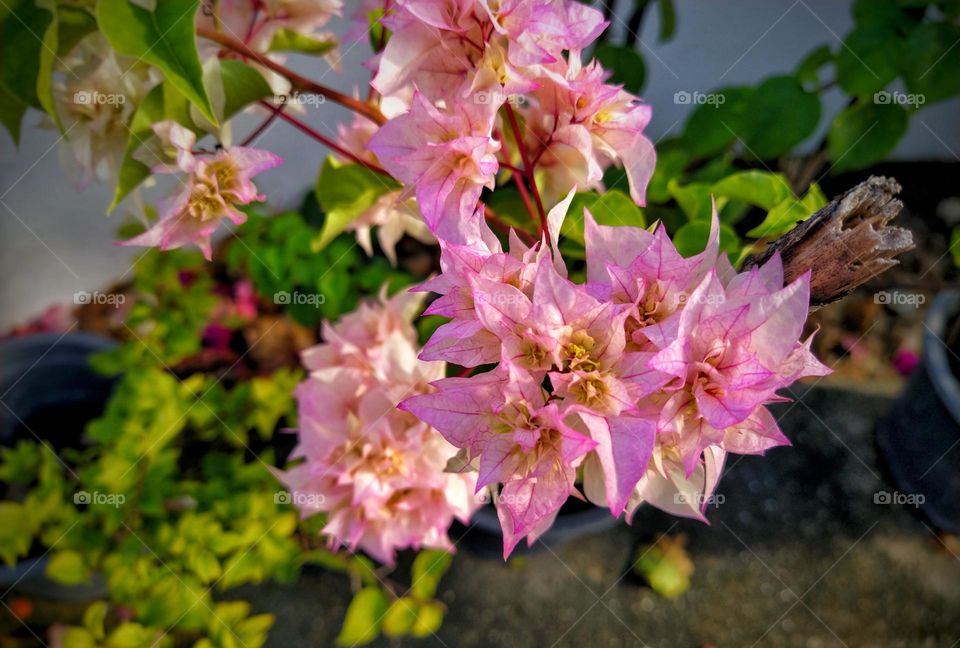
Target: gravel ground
797, 554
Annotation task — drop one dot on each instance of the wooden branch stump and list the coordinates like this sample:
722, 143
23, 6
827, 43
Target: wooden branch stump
846, 243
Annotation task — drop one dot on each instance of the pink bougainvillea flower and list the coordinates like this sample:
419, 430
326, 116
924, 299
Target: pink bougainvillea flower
170, 150
377, 472
393, 215
445, 157
98, 100
258, 21
434, 46
540, 30
216, 185
584, 125
503, 422
645, 273
730, 355
465, 340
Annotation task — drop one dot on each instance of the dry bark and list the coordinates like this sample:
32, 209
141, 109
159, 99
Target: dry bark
846, 243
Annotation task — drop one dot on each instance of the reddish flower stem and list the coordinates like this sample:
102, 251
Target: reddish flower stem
509, 167
504, 228
299, 82
527, 166
326, 141
519, 179
381, 45
274, 113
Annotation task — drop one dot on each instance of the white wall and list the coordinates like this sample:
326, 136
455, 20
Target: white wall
54, 241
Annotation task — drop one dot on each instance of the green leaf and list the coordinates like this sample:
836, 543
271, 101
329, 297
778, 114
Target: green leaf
888, 14
175, 599
809, 69
132, 635
868, 60
668, 20
68, 567
782, 217
429, 619
11, 114
74, 24
163, 37
25, 40
16, 531
671, 163
242, 85
48, 55
760, 188
345, 191
782, 114
955, 246
864, 134
94, 617
400, 617
133, 171
364, 617
428, 568
692, 238
611, 208
288, 40
626, 64
204, 564
377, 33
932, 68
74, 637
715, 125
694, 199
666, 568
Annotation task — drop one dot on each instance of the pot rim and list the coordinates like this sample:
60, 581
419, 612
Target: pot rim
945, 306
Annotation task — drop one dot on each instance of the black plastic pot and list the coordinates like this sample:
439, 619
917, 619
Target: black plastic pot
48, 391
920, 439
576, 519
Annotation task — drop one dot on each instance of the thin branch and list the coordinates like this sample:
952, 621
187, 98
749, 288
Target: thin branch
504, 228
275, 112
299, 82
326, 141
527, 165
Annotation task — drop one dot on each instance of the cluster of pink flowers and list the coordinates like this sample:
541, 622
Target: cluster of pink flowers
640, 380
645, 376
458, 76
376, 472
